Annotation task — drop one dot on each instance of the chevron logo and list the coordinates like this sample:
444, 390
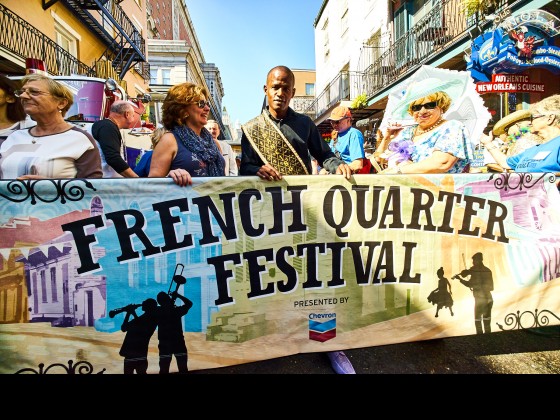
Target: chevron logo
322, 330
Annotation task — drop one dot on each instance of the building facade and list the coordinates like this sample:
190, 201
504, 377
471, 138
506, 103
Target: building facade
176, 57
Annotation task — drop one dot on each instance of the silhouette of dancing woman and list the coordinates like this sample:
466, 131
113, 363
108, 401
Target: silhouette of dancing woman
136, 342
481, 284
170, 331
442, 296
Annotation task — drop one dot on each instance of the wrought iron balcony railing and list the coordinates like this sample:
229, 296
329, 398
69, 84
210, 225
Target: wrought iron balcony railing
345, 86
25, 41
301, 103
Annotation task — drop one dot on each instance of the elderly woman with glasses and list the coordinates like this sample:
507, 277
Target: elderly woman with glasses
544, 157
53, 148
431, 144
187, 149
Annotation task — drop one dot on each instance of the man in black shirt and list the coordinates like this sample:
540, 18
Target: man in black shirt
111, 144
288, 141
296, 136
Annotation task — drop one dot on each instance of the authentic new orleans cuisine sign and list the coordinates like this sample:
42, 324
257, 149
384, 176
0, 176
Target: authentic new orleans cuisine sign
101, 276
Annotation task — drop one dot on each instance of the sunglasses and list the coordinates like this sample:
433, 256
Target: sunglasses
427, 105
30, 92
335, 123
534, 117
201, 104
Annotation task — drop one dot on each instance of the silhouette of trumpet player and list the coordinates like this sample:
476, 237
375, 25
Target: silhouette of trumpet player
138, 330
170, 328
481, 283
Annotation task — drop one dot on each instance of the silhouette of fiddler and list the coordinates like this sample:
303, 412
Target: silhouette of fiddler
481, 283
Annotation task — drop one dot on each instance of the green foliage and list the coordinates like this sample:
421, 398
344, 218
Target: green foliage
482, 7
359, 101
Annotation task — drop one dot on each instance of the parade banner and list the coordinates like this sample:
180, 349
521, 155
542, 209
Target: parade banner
133, 275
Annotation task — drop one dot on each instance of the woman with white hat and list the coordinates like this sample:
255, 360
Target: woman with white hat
545, 157
432, 144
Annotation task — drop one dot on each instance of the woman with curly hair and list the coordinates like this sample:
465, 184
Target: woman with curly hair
187, 149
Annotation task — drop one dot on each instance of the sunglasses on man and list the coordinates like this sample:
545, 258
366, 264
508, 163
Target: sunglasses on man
335, 123
427, 105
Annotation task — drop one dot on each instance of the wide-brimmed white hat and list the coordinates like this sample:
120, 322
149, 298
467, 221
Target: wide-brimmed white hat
420, 89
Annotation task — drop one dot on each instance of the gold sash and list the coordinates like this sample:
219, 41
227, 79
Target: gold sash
272, 147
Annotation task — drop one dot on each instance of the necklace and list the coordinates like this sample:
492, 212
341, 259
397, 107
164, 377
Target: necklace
438, 122
36, 136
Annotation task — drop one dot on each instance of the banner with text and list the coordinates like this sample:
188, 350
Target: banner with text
112, 275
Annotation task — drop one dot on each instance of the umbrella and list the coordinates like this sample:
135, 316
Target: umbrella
467, 106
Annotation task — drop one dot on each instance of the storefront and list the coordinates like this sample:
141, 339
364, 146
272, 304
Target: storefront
518, 62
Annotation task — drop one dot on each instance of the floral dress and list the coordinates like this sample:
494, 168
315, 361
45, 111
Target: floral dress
450, 137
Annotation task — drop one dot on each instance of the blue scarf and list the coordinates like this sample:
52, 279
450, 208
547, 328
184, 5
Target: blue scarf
203, 148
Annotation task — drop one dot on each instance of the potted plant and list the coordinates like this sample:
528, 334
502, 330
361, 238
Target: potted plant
359, 101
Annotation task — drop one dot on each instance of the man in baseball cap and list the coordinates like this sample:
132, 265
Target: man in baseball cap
347, 142
339, 113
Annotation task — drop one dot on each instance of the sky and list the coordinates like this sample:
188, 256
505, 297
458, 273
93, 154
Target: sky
246, 38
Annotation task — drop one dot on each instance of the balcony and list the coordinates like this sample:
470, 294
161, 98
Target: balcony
24, 40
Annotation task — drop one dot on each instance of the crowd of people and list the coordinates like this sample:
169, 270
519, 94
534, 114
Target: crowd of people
278, 142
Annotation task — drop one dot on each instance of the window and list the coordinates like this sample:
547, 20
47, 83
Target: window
344, 23
67, 39
402, 44
153, 76
326, 34
54, 292
310, 89
43, 286
166, 76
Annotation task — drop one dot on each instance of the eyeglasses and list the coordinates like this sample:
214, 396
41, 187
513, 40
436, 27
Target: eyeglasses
427, 105
30, 92
201, 104
335, 123
534, 117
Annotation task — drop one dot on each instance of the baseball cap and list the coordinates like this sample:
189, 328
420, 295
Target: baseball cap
339, 113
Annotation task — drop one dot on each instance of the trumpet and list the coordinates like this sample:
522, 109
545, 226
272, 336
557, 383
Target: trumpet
127, 308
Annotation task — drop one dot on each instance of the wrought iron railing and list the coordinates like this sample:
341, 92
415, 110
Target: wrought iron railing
301, 103
445, 25
25, 41
345, 86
